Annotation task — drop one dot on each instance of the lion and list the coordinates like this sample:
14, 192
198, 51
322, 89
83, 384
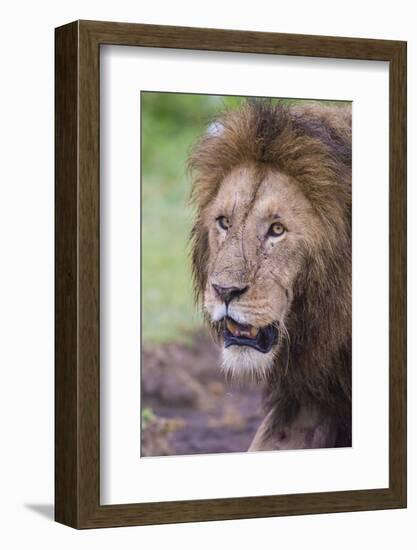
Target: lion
271, 261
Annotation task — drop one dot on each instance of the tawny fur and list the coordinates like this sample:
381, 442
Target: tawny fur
298, 159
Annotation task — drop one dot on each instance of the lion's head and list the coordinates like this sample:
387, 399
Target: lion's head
271, 240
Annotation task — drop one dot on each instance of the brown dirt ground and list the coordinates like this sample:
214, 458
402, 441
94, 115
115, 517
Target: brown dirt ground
194, 409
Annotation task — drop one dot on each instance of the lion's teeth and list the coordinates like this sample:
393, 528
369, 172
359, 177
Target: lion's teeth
239, 330
232, 327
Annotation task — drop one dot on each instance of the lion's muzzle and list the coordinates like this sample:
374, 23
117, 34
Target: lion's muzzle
229, 293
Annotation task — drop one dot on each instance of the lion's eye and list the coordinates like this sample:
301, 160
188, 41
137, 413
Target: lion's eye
223, 222
276, 230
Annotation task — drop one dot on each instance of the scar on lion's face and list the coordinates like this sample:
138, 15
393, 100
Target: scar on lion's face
260, 227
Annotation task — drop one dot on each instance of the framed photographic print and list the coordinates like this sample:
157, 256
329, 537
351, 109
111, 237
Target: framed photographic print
230, 274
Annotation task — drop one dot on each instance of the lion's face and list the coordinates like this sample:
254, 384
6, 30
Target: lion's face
260, 230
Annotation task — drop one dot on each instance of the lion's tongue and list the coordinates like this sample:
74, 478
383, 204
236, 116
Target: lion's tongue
245, 331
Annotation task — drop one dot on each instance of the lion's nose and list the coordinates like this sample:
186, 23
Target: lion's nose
229, 293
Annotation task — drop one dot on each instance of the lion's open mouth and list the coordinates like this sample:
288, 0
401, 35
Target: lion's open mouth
236, 334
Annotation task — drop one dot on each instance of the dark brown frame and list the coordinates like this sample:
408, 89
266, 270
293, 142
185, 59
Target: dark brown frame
77, 274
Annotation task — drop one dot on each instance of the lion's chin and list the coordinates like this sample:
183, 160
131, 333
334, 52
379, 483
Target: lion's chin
245, 364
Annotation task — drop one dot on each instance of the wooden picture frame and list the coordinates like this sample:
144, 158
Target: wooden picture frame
77, 372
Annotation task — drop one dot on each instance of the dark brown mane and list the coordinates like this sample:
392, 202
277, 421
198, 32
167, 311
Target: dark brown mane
308, 143
312, 145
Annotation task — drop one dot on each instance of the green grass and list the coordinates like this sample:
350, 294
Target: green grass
168, 312
170, 125
167, 306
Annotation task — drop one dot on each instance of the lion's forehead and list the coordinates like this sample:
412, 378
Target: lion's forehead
237, 190
252, 193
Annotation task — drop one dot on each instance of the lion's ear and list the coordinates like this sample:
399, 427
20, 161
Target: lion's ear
199, 258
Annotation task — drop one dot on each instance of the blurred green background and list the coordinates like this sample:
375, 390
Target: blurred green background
171, 123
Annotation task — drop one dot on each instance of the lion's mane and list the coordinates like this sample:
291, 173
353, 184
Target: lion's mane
312, 144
